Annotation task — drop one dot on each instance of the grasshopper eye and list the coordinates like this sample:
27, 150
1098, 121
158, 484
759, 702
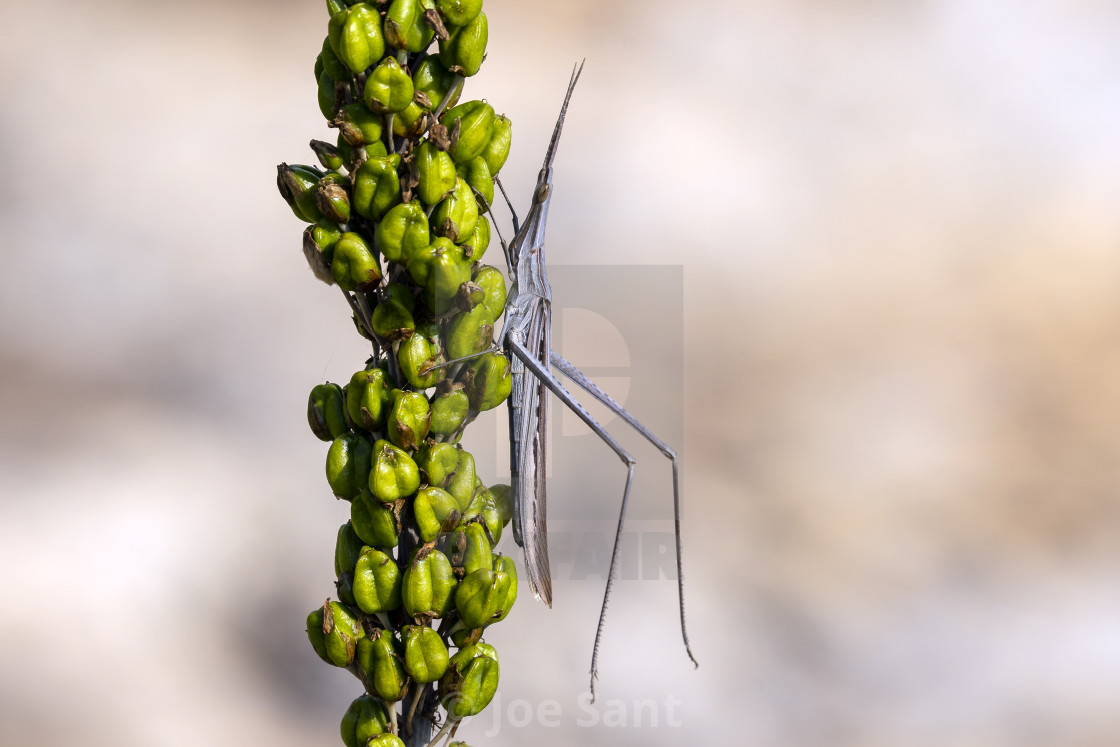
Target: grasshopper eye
542, 194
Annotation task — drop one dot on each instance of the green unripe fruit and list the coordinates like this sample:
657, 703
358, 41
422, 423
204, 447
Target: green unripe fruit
377, 187
476, 123
367, 398
433, 80
347, 549
480, 596
433, 508
476, 173
477, 555
388, 88
425, 654
355, 36
455, 217
421, 358
409, 122
409, 419
497, 150
429, 584
436, 172
461, 485
332, 198
504, 564
503, 501
295, 184
471, 681
381, 666
392, 321
330, 62
318, 248
483, 507
334, 634
438, 461
458, 12
405, 27
440, 269
348, 465
374, 522
366, 719
469, 332
449, 410
358, 126
493, 284
403, 231
377, 582
326, 412
488, 381
328, 155
474, 246
353, 265
464, 51
394, 474
385, 740
328, 95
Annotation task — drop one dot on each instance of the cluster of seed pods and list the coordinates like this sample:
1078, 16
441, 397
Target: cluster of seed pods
398, 220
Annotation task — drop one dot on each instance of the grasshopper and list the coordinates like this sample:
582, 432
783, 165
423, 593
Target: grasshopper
526, 340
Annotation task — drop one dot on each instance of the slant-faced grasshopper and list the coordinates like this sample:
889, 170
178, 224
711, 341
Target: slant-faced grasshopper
526, 339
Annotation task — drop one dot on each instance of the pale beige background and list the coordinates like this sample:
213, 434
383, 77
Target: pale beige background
899, 225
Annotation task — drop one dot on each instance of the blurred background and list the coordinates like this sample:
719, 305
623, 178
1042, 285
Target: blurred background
897, 232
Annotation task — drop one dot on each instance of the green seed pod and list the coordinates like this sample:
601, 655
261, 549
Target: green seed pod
353, 265
358, 126
457, 215
331, 64
332, 197
474, 246
374, 522
318, 248
295, 184
433, 508
336, 6
348, 465
392, 321
438, 461
425, 654
405, 27
480, 596
409, 122
497, 149
420, 264
436, 171
464, 51
462, 482
471, 681
367, 398
385, 740
476, 173
326, 412
347, 549
458, 12
421, 358
377, 582
493, 285
377, 187
478, 555
327, 154
432, 80
328, 95
381, 666
366, 719
504, 564
429, 584
503, 501
449, 410
482, 507
402, 294
409, 420
394, 475
388, 88
476, 124
469, 332
488, 381
403, 231
334, 634
444, 269
355, 36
